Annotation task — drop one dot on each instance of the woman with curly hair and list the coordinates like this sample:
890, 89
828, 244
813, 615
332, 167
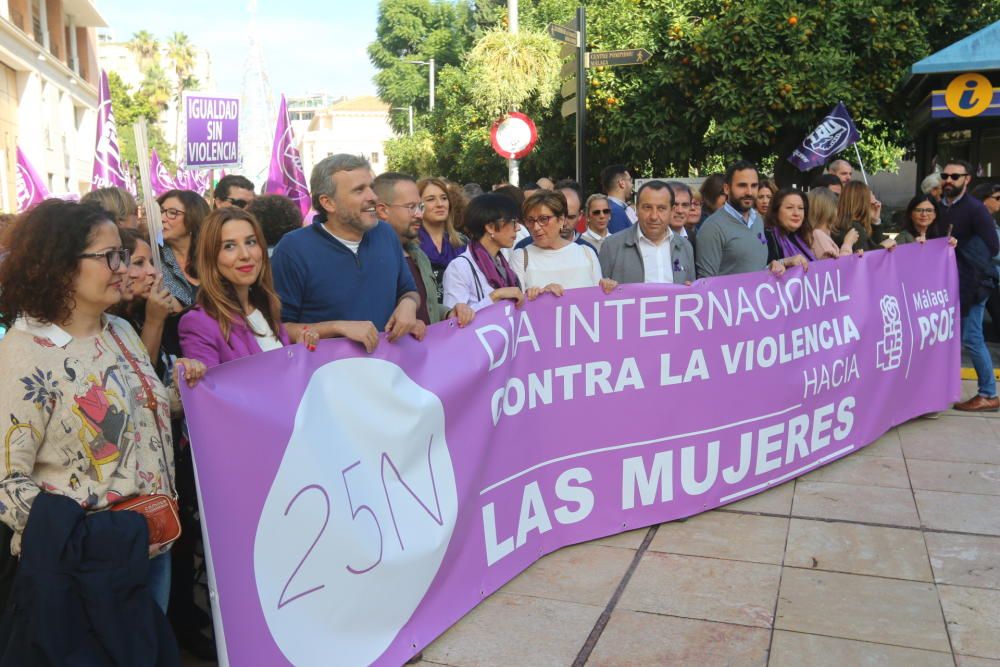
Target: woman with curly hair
85, 415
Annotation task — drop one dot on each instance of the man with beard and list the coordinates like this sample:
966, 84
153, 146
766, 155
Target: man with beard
345, 274
399, 205
972, 226
732, 240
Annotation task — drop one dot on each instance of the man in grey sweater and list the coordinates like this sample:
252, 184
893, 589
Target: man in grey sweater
732, 240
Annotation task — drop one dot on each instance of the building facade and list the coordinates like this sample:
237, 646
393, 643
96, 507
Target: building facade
48, 92
358, 125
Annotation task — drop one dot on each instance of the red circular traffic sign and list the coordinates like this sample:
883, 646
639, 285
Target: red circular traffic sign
513, 136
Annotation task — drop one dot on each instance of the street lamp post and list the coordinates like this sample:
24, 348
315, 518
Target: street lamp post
408, 109
430, 76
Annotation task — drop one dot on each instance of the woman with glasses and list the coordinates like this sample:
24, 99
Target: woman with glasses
439, 239
481, 275
84, 414
182, 212
598, 215
552, 263
918, 222
146, 303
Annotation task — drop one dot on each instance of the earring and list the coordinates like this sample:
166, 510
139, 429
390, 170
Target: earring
491, 236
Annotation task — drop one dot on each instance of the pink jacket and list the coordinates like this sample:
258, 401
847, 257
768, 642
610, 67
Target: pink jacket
201, 339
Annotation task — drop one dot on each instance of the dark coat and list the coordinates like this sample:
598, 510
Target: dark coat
977, 275
80, 596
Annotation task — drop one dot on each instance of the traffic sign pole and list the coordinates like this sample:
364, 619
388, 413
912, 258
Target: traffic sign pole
581, 95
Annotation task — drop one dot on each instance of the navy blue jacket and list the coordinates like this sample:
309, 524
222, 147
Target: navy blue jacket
619, 218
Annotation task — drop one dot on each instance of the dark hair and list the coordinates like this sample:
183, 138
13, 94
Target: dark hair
711, 189
771, 219
610, 174
513, 192
825, 180
739, 165
962, 163
677, 186
196, 209
655, 185
907, 224
554, 200
230, 181
485, 209
130, 237
984, 190
277, 214
44, 260
570, 184
385, 183
531, 185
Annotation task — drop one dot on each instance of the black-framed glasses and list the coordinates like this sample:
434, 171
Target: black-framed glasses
952, 177
542, 220
115, 257
238, 203
412, 208
924, 211
171, 213
601, 211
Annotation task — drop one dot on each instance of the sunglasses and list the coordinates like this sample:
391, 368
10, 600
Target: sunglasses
115, 257
601, 211
238, 203
952, 177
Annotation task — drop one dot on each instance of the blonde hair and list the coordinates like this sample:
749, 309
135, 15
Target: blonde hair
853, 206
822, 209
455, 207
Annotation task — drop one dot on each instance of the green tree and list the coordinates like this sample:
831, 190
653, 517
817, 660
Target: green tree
128, 107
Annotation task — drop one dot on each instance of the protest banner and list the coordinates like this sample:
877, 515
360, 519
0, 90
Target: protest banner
355, 506
213, 131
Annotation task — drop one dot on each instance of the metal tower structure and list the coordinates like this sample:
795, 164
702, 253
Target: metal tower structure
257, 114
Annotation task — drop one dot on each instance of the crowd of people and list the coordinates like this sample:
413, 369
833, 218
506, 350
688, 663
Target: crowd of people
101, 333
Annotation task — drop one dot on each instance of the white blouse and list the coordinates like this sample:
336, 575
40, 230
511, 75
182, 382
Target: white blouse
571, 266
464, 282
267, 341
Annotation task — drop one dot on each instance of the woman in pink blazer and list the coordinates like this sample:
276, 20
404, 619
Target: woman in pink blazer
237, 312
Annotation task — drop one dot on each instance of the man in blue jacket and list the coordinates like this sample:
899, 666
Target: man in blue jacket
617, 184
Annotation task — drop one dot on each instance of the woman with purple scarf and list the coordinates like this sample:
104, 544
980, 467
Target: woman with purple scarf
480, 276
786, 226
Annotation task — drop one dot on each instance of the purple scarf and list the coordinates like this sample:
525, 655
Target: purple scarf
489, 268
792, 245
440, 259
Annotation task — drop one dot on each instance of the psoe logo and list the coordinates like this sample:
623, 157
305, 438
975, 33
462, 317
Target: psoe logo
889, 351
829, 138
968, 95
359, 517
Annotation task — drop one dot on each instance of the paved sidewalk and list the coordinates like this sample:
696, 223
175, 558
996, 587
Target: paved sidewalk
888, 557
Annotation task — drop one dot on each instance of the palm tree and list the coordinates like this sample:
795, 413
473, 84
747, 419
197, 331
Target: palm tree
182, 55
156, 88
146, 49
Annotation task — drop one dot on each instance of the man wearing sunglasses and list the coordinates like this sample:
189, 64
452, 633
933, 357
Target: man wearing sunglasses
972, 226
233, 190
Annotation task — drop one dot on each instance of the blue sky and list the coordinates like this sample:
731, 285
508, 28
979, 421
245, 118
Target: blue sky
309, 45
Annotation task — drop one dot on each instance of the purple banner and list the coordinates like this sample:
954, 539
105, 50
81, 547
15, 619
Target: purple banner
213, 130
31, 188
285, 176
358, 505
834, 134
107, 159
160, 179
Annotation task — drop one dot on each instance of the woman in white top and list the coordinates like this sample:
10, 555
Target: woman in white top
552, 263
238, 312
481, 275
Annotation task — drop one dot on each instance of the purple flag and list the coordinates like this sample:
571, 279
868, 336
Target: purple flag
834, 134
183, 179
31, 189
285, 176
160, 178
364, 528
107, 159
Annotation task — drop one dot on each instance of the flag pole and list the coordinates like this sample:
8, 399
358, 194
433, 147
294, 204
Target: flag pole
153, 223
860, 163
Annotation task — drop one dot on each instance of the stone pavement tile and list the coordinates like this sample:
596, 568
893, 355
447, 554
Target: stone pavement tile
864, 470
964, 560
628, 540
585, 573
703, 588
886, 446
960, 512
760, 539
969, 440
633, 639
505, 629
968, 661
773, 501
850, 547
850, 606
973, 616
957, 477
853, 502
794, 649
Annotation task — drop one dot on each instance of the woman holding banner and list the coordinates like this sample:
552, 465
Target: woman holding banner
183, 212
786, 226
237, 312
86, 416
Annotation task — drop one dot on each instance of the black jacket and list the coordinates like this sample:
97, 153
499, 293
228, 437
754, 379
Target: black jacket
80, 597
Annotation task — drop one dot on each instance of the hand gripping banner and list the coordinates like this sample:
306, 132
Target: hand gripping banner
358, 505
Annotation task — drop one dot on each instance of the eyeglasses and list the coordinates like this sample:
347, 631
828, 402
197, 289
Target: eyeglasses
923, 211
238, 203
171, 213
114, 257
601, 211
412, 208
542, 220
996, 196
952, 177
